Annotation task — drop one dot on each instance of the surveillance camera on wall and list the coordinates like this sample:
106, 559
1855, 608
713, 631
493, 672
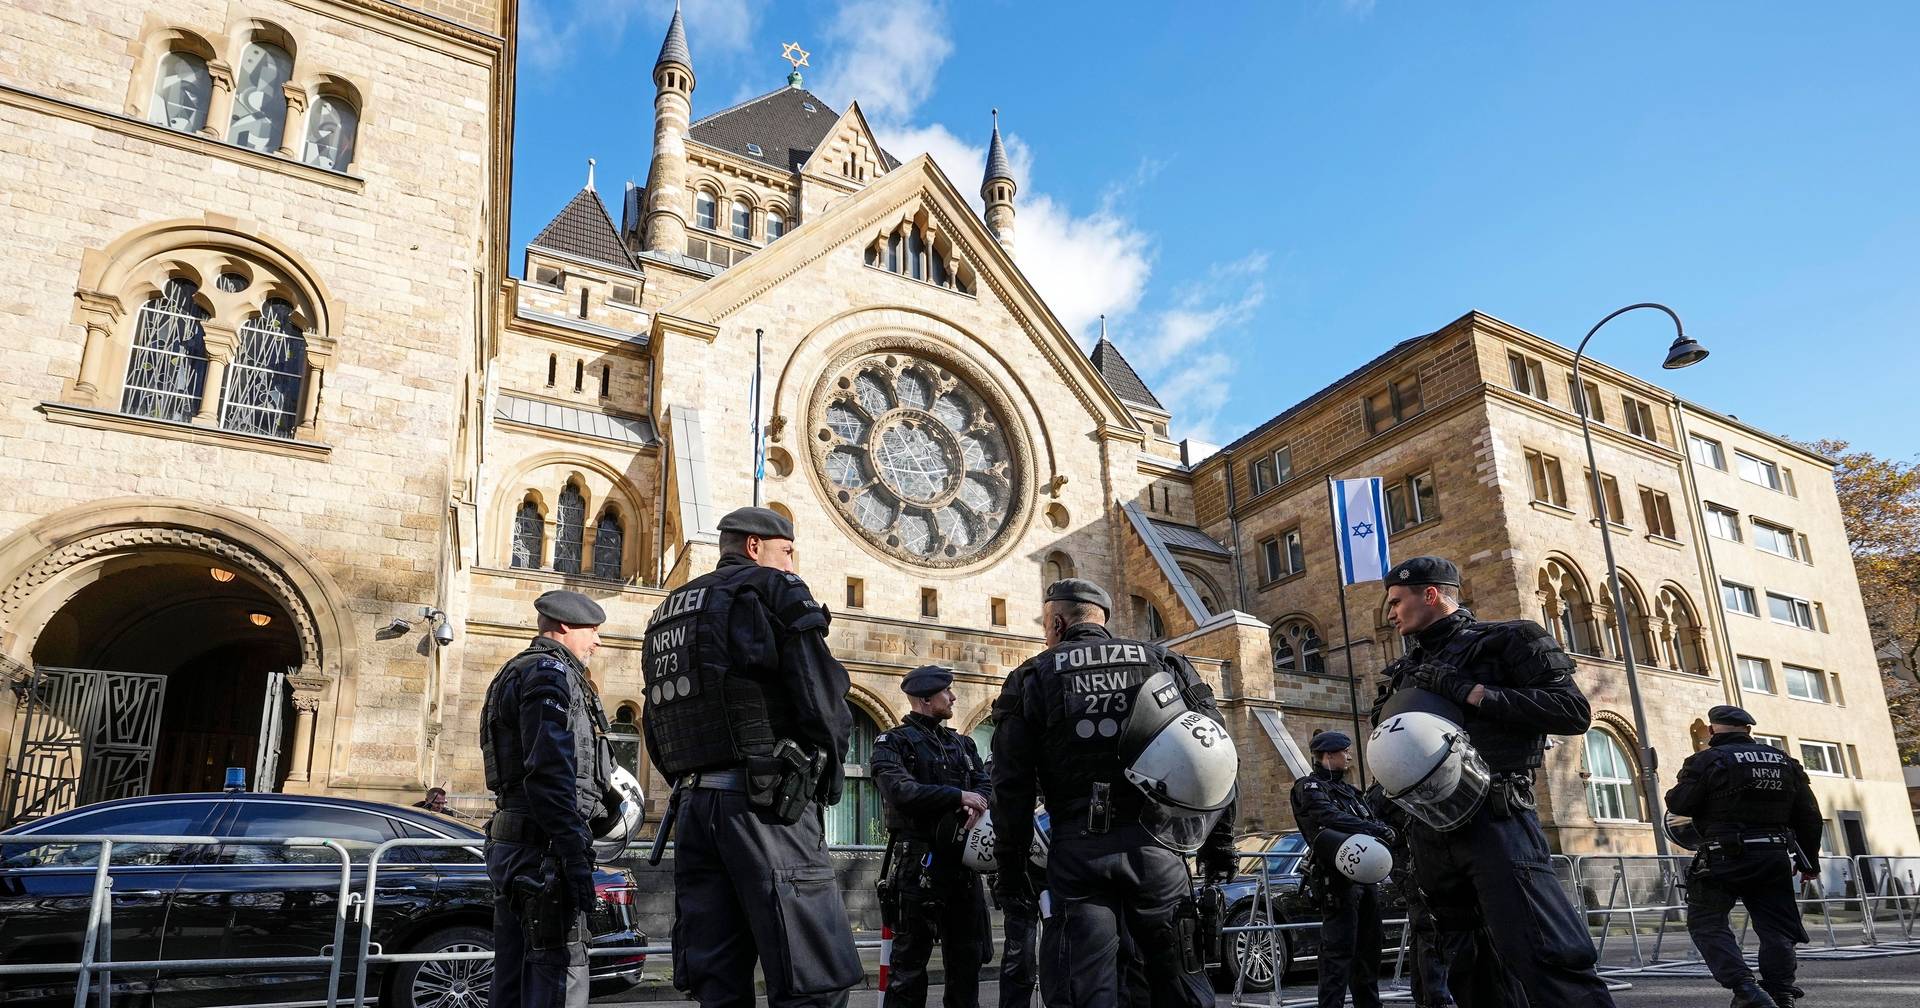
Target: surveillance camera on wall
443, 632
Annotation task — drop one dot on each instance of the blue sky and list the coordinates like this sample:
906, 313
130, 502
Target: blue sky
1263, 195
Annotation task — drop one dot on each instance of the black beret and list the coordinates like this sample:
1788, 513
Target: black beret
1080, 590
571, 608
926, 680
757, 521
1330, 741
1728, 714
1424, 570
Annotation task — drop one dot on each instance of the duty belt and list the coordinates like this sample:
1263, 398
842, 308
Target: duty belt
515, 827
716, 780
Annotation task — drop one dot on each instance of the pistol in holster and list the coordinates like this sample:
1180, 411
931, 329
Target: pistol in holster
783, 783
1186, 928
909, 884
543, 906
1211, 915
1510, 794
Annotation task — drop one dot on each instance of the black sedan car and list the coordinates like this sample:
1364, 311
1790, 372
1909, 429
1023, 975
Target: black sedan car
222, 901
1269, 877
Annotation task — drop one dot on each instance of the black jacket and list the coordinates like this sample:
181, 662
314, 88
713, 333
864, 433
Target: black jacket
921, 766
1739, 785
1323, 800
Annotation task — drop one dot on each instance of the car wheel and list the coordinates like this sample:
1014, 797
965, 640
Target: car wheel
458, 983
1252, 965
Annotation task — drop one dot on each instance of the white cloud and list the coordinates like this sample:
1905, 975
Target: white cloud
885, 53
1195, 392
554, 31
1188, 374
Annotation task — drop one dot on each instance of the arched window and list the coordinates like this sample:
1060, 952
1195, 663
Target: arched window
606, 379
264, 378
916, 254
1297, 648
1057, 566
704, 210
893, 252
553, 368
181, 90
1637, 633
579, 376
1147, 617
569, 529
1683, 642
1610, 791
528, 535
982, 735
1564, 608
331, 126
776, 225
624, 738
167, 370
741, 219
1203, 586
857, 820
607, 542
260, 98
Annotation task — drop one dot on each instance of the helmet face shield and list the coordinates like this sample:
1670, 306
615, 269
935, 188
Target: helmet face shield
1452, 791
623, 805
1178, 830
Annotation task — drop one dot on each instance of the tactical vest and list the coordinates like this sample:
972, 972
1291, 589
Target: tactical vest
1757, 787
1089, 687
1506, 747
502, 756
931, 757
705, 712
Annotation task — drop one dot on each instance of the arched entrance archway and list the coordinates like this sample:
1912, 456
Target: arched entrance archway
130, 587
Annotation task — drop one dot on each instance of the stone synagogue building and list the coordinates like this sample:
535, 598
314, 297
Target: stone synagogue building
279, 420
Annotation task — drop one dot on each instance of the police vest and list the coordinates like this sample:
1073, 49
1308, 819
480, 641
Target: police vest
936, 757
711, 704
1089, 690
1754, 788
502, 756
1505, 746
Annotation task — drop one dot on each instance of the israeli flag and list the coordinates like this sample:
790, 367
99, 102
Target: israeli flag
1360, 529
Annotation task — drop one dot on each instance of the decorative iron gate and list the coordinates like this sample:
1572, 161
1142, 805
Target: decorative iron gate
86, 735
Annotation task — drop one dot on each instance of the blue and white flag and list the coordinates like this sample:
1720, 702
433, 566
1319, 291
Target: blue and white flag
1360, 529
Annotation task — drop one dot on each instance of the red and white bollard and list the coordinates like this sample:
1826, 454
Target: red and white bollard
886, 960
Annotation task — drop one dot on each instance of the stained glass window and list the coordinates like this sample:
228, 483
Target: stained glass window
264, 378
528, 531
181, 90
167, 370
607, 542
570, 530
260, 98
330, 130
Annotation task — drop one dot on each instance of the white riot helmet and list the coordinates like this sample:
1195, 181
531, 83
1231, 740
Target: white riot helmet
1359, 857
614, 830
976, 847
1182, 760
1683, 831
1425, 763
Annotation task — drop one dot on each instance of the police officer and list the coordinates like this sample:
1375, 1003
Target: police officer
746, 713
1350, 912
933, 788
1756, 820
1030, 940
545, 761
1509, 685
1062, 723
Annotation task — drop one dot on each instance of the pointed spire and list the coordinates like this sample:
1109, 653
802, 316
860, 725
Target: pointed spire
674, 48
590, 175
997, 166
1120, 375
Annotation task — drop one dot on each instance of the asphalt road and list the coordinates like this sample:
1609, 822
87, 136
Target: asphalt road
1878, 982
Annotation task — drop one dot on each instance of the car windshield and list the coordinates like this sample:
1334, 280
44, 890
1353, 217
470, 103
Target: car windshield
359, 831
145, 818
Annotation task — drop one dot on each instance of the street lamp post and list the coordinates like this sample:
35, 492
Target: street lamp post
1682, 353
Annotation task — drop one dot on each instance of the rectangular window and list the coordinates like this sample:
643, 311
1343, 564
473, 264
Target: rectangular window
1805, 683
1723, 523
1282, 556
1543, 476
1296, 553
1283, 465
623, 294
1528, 376
1755, 675
1755, 470
1786, 482
1396, 404
1593, 400
1822, 758
856, 593
929, 603
547, 276
1271, 562
1616, 512
1707, 452
1738, 598
1775, 539
1411, 502
1260, 474
1639, 419
1777, 741
1789, 610
1659, 512
997, 609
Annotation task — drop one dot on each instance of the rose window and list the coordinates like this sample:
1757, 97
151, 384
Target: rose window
916, 458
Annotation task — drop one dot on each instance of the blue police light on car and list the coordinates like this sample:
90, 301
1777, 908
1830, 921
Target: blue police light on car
236, 778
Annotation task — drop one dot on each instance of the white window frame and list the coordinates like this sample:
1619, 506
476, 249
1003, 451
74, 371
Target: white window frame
1545, 479
1723, 522
740, 219
1828, 750
1797, 607
1260, 475
1769, 472
1717, 451
1747, 663
1528, 374
1293, 552
1612, 789
712, 220
1820, 692
1742, 592
1282, 464
1765, 531
1639, 419
1777, 741
1272, 558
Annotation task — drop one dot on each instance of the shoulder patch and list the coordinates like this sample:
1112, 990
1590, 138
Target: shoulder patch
1313, 785
793, 579
882, 737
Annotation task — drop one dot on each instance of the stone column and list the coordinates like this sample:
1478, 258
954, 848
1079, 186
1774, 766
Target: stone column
219, 343
293, 134
100, 315
219, 102
306, 708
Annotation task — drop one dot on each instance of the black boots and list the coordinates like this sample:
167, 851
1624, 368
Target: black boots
1751, 996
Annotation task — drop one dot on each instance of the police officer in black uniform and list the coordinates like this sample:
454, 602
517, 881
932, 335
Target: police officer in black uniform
1350, 911
1057, 722
933, 788
746, 713
541, 742
1758, 821
1513, 686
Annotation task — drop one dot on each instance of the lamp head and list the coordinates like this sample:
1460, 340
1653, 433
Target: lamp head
1683, 353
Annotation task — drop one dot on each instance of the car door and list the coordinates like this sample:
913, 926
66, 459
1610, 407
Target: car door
261, 901
46, 893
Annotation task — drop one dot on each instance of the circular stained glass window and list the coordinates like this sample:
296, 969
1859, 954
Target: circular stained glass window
916, 457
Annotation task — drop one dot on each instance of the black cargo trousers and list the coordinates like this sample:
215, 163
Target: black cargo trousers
522, 976
1106, 888
1762, 877
748, 887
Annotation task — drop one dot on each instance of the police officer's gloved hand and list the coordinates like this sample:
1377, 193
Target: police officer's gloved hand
1217, 864
1388, 835
576, 870
1014, 892
1445, 681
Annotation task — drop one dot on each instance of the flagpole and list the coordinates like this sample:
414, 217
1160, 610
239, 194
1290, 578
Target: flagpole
1346, 632
758, 335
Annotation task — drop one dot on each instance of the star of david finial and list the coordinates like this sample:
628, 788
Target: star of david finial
1363, 530
792, 53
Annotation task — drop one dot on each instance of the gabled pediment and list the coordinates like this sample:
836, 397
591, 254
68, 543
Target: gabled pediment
849, 154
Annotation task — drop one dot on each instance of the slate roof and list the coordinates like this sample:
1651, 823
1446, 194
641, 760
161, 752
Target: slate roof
1187, 537
1120, 375
581, 325
574, 420
997, 166
780, 122
1294, 410
582, 228
673, 49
